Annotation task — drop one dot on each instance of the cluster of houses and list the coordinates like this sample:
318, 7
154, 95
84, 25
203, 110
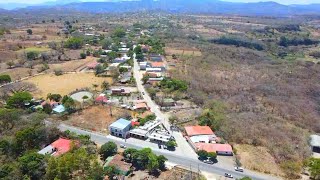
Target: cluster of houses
34, 105
203, 138
152, 130
154, 68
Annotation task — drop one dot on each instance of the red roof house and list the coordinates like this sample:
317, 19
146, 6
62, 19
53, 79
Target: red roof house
198, 130
62, 146
102, 99
58, 147
221, 149
157, 64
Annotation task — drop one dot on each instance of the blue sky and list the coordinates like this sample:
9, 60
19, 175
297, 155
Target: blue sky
279, 1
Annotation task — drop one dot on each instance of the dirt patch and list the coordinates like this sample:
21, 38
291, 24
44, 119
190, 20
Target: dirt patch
183, 52
64, 84
258, 159
97, 118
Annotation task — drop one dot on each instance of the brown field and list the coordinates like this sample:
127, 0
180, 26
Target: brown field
97, 118
183, 52
72, 65
258, 159
50, 83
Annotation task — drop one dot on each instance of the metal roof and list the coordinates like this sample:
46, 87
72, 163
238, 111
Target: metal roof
315, 140
121, 123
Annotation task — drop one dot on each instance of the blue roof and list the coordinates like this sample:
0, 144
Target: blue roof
121, 123
59, 109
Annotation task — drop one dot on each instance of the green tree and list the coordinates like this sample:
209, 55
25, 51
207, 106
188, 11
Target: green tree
99, 69
32, 55
83, 55
33, 165
85, 97
54, 97
129, 152
108, 149
314, 167
202, 154
119, 32
29, 31
214, 115
171, 144
212, 156
8, 118
111, 171
18, 99
47, 108
161, 160
140, 159
153, 164
74, 43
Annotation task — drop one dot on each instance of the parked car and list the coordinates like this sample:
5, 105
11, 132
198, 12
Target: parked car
240, 169
123, 146
228, 175
207, 161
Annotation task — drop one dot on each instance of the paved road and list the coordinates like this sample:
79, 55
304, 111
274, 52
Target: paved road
172, 157
183, 146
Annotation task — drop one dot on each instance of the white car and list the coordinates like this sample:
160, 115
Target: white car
240, 169
123, 146
228, 175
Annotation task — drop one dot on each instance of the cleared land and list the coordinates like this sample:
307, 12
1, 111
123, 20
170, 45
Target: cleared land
258, 159
64, 84
97, 118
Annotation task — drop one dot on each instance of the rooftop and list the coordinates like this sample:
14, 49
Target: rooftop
121, 123
59, 109
315, 140
118, 163
58, 147
214, 147
198, 130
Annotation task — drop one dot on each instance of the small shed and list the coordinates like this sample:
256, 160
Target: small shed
315, 143
59, 109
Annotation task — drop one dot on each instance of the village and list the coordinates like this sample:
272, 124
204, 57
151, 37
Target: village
116, 87
127, 101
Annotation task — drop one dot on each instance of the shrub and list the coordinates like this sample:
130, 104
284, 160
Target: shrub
18, 99
83, 55
58, 72
5, 78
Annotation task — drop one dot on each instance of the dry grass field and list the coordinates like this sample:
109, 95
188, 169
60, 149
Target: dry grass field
258, 159
64, 84
97, 118
183, 52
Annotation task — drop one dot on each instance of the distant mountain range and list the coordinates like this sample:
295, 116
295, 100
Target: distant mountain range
177, 6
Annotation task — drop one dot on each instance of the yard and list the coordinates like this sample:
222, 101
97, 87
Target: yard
97, 118
64, 84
